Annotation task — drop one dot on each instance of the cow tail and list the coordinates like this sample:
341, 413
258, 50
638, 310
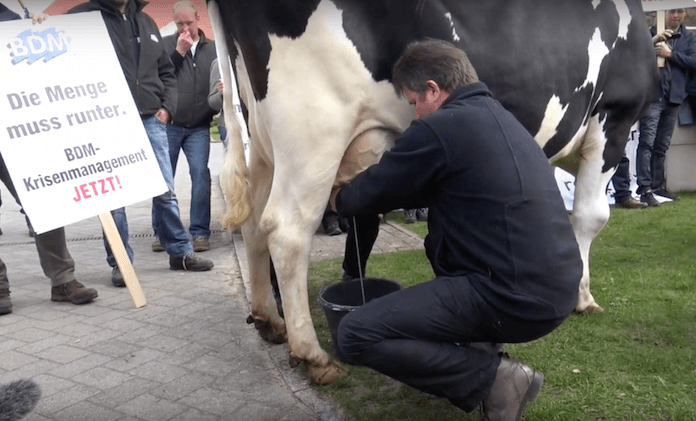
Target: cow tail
233, 177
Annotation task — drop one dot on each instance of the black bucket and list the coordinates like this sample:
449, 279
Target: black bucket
340, 298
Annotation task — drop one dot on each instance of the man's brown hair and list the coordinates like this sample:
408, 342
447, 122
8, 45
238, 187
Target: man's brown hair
436, 60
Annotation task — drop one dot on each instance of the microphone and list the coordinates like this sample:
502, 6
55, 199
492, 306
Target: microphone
17, 399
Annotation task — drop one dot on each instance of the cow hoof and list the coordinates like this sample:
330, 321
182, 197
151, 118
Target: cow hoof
591, 309
327, 374
266, 331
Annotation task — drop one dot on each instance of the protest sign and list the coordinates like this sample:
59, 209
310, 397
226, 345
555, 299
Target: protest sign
70, 133
655, 5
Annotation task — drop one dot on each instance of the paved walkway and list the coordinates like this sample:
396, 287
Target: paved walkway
187, 355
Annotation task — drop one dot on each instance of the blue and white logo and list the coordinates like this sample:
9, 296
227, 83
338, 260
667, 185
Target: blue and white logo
33, 46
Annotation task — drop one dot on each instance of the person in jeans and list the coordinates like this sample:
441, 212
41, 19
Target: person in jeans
55, 259
192, 54
677, 46
150, 76
506, 262
623, 198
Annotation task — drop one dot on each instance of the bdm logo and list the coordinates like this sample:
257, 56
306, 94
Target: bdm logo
33, 46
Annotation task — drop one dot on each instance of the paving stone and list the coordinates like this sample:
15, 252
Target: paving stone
124, 392
164, 343
194, 414
101, 377
86, 411
182, 386
26, 334
113, 348
62, 354
63, 399
184, 354
158, 371
44, 344
8, 344
151, 408
134, 359
213, 401
12, 359
81, 365
51, 384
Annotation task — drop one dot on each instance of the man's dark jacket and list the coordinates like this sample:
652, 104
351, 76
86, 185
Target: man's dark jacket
496, 215
679, 67
193, 77
146, 64
7, 14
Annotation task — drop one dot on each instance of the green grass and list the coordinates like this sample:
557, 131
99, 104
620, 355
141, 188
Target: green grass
634, 361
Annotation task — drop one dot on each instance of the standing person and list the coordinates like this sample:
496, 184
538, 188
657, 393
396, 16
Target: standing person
192, 54
54, 256
677, 46
150, 76
500, 243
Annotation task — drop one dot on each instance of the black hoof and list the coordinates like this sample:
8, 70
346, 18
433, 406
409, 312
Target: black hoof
266, 331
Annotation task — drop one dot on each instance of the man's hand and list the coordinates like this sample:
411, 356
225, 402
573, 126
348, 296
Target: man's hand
38, 18
220, 85
162, 115
663, 50
184, 43
662, 36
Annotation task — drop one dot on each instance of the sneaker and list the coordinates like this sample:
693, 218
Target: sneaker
649, 199
157, 246
422, 214
666, 193
515, 384
74, 292
5, 303
117, 278
409, 216
201, 244
631, 203
190, 262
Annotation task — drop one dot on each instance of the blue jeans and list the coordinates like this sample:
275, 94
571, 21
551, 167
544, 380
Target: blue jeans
165, 208
622, 181
195, 142
656, 129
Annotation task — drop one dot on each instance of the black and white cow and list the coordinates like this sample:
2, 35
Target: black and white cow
314, 76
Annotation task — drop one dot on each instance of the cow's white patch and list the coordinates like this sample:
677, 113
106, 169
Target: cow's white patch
596, 51
624, 18
552, 117
455, 37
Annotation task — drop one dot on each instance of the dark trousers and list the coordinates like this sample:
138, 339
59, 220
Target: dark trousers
419, 336
355, 259
622, 181
656, 129
54, 257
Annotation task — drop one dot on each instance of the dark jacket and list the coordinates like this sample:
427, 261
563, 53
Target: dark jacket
193, 78
146, 64
675, 74
496, 215
7, 14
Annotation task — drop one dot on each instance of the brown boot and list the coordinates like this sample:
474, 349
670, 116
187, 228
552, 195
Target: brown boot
515, 384
74, 292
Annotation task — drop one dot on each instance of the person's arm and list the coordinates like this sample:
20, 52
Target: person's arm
684, 57
403, 178
215, 94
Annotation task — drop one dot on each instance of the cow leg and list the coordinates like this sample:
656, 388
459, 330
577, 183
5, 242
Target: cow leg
590, 213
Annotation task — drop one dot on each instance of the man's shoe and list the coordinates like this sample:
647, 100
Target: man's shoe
5, 303
117, 278
201, 244
157, 246
422, 214
631, 203
190, 262
666, 193
409, 216
649, 199
333, 229
74, 292
515, 384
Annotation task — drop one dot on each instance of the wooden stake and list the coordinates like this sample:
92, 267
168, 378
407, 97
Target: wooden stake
122, 260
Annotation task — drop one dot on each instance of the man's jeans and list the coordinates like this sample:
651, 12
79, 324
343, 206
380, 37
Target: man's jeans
165, 208
656, 129
622, 181
195, 142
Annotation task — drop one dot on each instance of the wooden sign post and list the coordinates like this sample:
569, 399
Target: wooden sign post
122, 260
660, 24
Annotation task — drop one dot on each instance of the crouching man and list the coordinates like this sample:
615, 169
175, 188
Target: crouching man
500, 243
